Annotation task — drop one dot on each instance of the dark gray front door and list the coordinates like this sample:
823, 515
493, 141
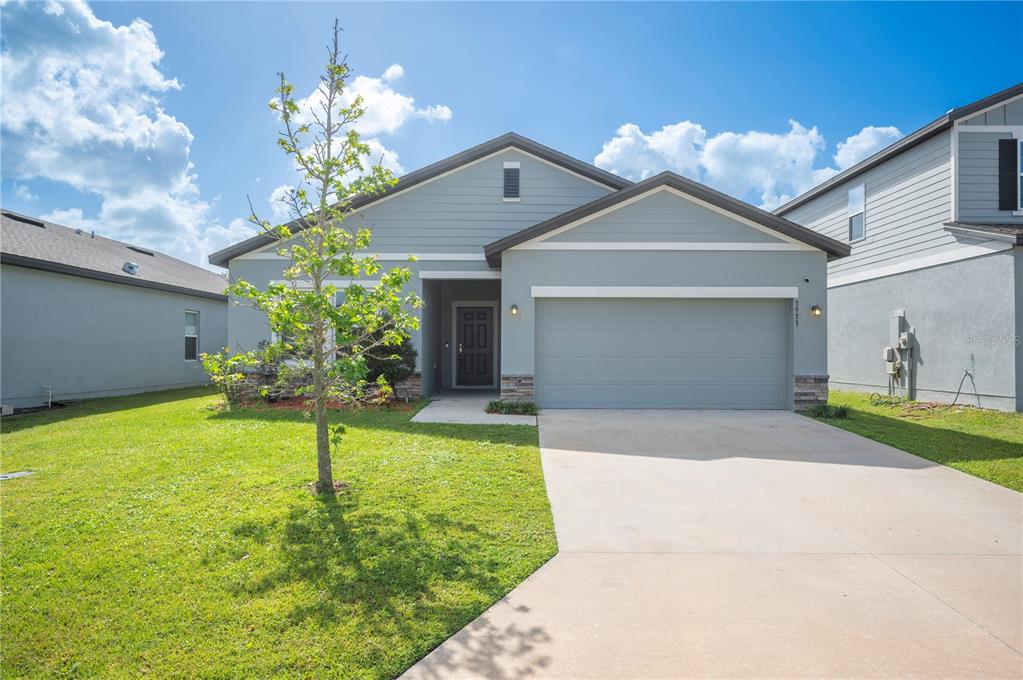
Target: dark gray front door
474, 346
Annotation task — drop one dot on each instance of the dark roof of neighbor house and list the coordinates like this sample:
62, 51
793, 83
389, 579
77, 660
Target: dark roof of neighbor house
508, 140
908, 142
37, 244
833, 248
998, 231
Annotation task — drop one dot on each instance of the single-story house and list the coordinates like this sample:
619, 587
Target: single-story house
85, 316
554, 281
930, 302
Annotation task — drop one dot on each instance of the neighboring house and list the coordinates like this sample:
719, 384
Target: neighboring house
935, 222
84, 316
558, 282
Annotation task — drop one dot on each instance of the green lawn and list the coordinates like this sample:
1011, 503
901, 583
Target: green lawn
984, 443
159, 537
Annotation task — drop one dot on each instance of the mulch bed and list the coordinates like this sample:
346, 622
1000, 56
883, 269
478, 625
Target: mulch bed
303, 404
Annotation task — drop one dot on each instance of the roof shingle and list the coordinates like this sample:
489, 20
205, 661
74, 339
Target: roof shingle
30, 242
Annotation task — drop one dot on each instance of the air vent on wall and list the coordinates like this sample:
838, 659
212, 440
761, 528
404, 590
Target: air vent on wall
22, 218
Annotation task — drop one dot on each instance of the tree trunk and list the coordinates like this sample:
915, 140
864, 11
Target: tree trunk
325, 482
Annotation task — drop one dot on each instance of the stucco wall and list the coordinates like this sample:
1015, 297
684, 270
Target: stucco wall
965, 316
90, 338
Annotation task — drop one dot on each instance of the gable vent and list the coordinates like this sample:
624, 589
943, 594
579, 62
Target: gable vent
130, 268
511, 181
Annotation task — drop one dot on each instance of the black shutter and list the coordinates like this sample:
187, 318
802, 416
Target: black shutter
511, 182
1008, 174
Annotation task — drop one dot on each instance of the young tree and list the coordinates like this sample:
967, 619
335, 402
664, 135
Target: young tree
331, 340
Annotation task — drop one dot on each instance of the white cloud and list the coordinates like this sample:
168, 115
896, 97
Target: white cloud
218, 236
23, 193
761, 167
387, 110
279, 209
394, 72
81, 106
864, 143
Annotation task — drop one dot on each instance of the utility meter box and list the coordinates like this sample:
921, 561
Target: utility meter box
888, 354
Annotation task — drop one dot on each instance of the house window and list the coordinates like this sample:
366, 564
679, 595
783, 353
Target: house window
857, 210
511, 181
191, 336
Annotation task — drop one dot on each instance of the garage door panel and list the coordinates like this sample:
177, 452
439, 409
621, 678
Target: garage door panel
662, 353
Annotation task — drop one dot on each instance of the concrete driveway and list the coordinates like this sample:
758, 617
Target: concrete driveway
753, 545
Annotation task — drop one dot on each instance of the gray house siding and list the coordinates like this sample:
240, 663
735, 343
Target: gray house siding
664, 217
957, 329
456, 213
464, 210
908, 199
978, 178
88, 338
523, 269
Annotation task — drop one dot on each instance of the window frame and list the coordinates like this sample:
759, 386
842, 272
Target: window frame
511, 165
862, 213
196, 336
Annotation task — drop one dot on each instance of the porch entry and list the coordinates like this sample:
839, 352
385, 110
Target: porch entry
474, 345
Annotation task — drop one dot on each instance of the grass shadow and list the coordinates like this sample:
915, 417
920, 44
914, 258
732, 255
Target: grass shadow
391, 420
388, 572
938, 444
99, 406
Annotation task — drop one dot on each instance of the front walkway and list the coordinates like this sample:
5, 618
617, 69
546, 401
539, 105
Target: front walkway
466, 407
766, 545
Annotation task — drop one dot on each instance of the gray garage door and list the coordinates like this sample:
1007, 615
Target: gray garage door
730, 354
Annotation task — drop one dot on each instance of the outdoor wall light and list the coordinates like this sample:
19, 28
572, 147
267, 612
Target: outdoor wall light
816, 311
514, 310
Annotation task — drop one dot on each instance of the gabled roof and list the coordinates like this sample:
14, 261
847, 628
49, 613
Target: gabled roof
412, 179
997, 231
37, 244
908, 142
698, 191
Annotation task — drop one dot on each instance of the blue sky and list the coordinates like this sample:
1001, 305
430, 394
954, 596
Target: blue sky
760, 100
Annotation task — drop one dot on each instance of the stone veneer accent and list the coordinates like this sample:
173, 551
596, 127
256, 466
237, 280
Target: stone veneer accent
410, 389
517, 388
810, 390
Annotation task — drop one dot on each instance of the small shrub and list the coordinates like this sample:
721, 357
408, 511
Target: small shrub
227, 372
828, 411
512, 408
395, 363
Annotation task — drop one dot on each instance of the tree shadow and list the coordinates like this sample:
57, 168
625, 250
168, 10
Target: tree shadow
391, 420
390, 571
